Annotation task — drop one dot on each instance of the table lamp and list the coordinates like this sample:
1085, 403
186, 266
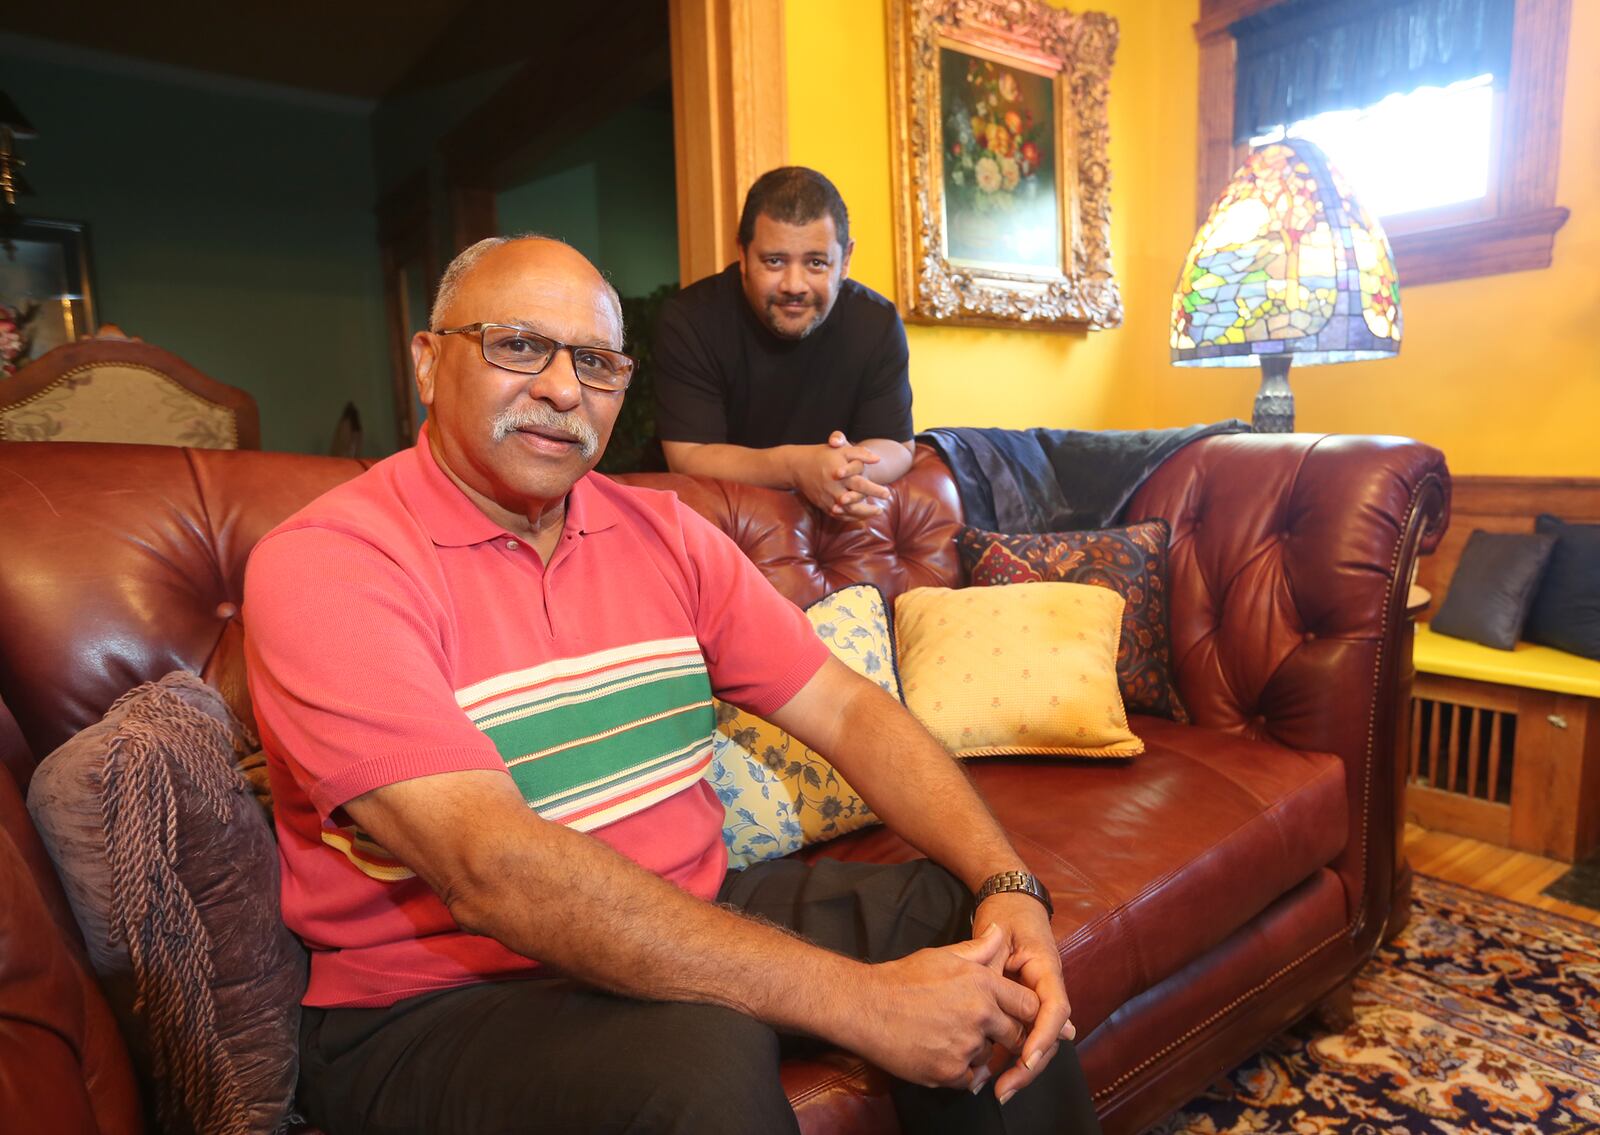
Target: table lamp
1288, 266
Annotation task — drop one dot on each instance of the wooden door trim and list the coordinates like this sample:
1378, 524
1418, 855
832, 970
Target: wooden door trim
730, 119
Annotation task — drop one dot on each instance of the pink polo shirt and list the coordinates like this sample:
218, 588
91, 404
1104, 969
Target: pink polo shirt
394, 631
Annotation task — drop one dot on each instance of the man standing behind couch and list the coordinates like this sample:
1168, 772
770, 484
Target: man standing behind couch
782, 371
483, 679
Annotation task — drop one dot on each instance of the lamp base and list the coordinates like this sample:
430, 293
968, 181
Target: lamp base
1274, 408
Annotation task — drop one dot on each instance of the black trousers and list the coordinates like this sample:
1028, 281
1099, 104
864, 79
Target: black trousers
552, 1055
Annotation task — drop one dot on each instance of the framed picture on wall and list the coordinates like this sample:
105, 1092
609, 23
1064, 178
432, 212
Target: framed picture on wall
1002, 187
45, 295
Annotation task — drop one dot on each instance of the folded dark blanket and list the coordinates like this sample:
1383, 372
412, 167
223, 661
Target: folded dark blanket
1056, 480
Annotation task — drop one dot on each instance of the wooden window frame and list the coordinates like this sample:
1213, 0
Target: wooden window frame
1520, 223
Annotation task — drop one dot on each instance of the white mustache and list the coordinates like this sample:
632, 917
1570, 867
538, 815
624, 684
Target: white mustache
540, 416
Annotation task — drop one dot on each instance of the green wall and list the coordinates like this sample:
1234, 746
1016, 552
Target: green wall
407, 124
232, 223
231, 226
612, 194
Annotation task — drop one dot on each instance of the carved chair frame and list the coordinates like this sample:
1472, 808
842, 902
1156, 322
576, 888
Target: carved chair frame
109, 348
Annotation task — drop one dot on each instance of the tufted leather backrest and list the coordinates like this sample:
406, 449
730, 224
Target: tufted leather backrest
806, 554
53, 1018
124, 562
1267, 598
1289, 562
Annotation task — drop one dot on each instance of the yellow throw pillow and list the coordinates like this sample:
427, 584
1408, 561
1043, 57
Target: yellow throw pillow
777, 795
1029, 669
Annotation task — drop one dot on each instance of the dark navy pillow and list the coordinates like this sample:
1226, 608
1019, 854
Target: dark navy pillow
1566, 609
1493, 587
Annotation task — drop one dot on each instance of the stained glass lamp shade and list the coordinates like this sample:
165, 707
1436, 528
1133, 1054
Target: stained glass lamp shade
1288, 267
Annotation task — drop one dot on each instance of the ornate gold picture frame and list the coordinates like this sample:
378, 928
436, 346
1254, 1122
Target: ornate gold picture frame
1002, 185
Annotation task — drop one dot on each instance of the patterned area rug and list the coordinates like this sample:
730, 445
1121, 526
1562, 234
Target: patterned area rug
1484, 1016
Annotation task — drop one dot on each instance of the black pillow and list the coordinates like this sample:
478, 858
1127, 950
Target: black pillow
1494, 586
1566, 609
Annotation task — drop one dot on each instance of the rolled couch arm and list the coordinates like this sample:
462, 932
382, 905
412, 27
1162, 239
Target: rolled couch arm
63, 1066
1291, 557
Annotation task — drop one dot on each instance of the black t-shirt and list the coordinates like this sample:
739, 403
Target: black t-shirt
722, 376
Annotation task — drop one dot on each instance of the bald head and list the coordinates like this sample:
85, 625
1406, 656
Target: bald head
523, 260
514, 440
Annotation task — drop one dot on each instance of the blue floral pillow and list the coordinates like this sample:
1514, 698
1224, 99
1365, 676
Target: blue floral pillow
778, 795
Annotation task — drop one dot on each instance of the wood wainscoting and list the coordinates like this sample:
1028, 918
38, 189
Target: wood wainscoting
1503, 504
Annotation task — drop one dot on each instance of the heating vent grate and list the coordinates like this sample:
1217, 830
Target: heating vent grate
1463, 749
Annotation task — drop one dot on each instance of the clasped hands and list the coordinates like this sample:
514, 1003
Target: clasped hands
833, 477
955, 1016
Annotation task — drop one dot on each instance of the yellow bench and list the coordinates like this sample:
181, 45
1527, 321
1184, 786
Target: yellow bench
1505, 745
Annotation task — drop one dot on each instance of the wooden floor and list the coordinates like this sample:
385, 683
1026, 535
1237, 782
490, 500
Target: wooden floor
1495, 870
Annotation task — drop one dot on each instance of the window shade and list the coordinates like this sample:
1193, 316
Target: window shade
1304, 57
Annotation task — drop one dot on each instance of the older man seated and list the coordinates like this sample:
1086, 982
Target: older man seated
483, 676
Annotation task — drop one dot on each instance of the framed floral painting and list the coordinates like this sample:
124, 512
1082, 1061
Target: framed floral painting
1002, 203
45, 298
1002, 187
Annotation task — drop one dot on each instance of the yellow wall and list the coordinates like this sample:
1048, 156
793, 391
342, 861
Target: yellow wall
838, 92
1499, 389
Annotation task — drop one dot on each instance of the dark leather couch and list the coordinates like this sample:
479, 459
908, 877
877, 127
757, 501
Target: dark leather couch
1208, 893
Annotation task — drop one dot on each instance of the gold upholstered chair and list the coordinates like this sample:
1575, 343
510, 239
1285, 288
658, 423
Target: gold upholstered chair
114, 387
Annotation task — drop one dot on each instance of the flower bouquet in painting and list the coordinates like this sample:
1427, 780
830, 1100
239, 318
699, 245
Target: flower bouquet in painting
1002, 180
15, 336
1000, 197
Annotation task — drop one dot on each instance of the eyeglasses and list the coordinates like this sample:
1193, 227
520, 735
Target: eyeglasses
528, 352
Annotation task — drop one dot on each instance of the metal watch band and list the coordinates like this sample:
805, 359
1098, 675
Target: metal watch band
1015, 881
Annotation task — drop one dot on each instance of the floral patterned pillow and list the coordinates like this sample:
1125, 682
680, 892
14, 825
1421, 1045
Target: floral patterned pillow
1131, 561
777, 795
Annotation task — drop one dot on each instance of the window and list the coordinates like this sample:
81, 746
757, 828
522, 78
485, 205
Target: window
1463, 173
1409, 153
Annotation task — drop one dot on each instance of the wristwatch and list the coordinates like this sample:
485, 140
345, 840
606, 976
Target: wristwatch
1015, 881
